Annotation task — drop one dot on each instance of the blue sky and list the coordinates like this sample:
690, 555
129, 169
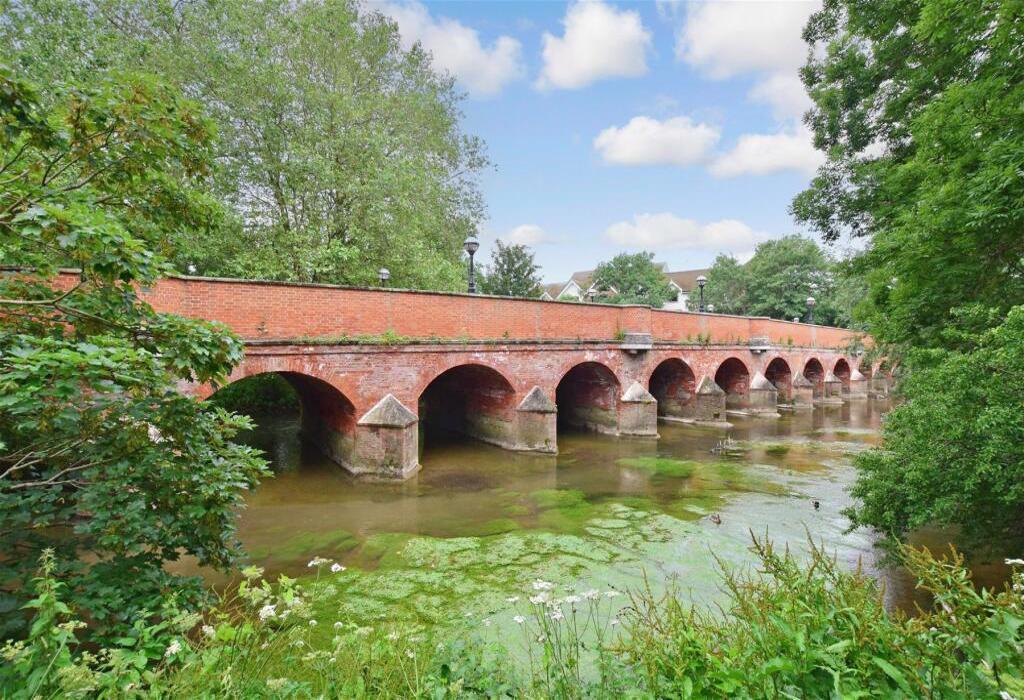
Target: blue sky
669, 126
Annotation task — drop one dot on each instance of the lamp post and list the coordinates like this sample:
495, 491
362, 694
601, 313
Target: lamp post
701, 281
591, 295
810, 309
385, 275
471, 245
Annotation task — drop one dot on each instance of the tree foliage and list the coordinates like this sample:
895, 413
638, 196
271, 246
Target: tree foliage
339, 152
512, 272
777, 281
102, 458
633, 279
917, 106
954, 454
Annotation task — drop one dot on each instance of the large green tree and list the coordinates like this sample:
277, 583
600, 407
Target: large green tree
102, 458
633, 279
512, 272
917, 104
777, 281
339, 152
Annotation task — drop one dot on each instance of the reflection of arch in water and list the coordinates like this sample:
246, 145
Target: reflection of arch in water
587, 397
780, 375
328, 417
471, 400
734, 378
674, 386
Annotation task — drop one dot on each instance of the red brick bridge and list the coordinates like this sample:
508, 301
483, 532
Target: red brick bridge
370, 364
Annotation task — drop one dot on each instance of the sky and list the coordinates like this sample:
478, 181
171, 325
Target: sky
672, 127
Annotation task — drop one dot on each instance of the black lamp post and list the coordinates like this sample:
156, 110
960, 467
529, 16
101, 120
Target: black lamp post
384, 275
810, 309
701, 281
471, 245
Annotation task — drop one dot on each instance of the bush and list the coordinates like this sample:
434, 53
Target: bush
791, 629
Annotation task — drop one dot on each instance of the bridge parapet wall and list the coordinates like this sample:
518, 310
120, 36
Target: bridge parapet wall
278, 311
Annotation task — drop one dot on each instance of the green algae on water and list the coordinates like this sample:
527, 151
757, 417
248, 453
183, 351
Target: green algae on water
662, 466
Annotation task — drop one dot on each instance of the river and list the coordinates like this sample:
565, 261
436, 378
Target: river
477, 524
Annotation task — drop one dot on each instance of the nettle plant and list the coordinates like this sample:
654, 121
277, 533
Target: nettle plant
102, 459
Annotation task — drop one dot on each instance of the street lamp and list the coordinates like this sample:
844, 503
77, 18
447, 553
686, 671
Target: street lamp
384, 275
471, 245
591, 295
810, 309
701, 281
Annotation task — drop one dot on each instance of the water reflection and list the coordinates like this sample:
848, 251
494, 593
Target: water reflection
767, 482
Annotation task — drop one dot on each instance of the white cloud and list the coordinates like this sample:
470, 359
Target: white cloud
647, 141
599, 42
526, 234
456, 48
728, 38
785, 93
668, 231
762, 154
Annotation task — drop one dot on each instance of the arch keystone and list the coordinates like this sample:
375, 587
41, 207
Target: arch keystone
389, 413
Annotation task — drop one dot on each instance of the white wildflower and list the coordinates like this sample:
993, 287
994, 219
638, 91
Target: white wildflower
317, 561
512, 599
338, 625
337, 568
539, 599
539, 585
611, 594
1015, 562
615, 621
410, 653
393, 636
209, 631
592, 594
173, 648
312, 623
571, 599
487, 622
519, 619
555, 615
268, 611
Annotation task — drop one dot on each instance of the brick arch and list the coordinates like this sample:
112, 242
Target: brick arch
780, 374
470, 399
842, 371
587, 397
674, 384
814, 372
328, 415
733, 376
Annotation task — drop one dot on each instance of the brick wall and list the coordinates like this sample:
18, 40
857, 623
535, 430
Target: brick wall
278, 311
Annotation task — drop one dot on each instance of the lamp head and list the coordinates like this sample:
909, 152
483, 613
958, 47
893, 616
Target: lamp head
471, 245
385, 274
810, 302
701, 281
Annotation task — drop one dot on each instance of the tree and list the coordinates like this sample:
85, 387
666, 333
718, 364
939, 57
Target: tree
727, 286
916, 104
102, 458
633, 279
954, 454
776, 282
917, 107
512, 272
339, 151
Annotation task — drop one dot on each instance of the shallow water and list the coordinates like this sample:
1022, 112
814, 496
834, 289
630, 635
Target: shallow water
477, 524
